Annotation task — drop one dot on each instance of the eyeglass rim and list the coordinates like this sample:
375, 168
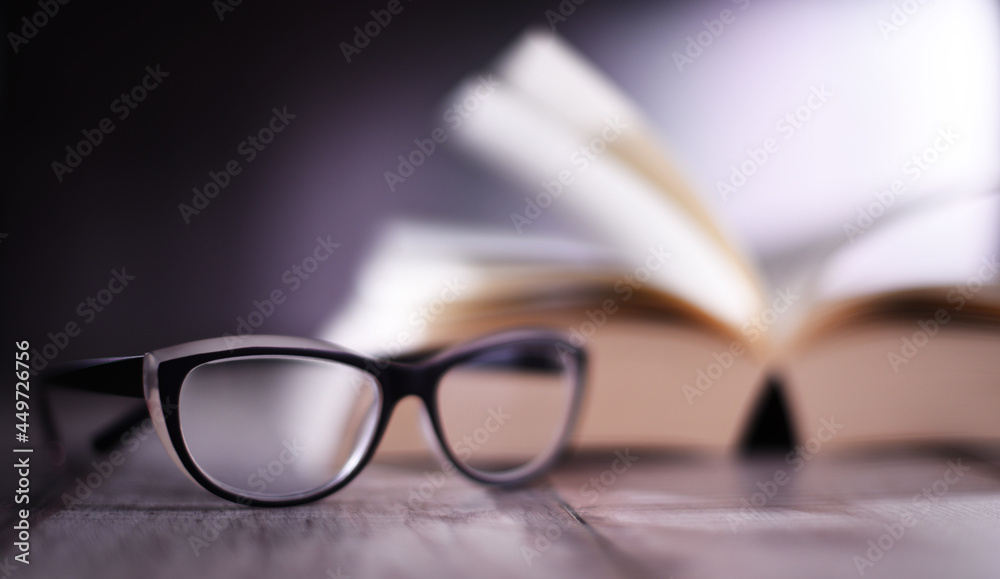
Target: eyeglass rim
165, 369
545, 459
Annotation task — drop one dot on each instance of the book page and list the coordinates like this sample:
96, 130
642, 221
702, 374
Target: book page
939, 245
560, 128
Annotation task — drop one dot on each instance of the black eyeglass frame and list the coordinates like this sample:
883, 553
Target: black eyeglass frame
161, 374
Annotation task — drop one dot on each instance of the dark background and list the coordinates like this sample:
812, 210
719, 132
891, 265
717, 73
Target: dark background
322, 176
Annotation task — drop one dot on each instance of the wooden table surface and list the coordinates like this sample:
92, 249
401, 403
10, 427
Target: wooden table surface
659, 515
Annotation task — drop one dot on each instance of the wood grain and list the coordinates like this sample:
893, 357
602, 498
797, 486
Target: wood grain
595, 516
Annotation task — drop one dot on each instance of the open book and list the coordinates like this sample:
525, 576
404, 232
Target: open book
894, 336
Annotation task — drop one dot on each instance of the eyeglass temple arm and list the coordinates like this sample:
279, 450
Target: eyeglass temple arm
116, 376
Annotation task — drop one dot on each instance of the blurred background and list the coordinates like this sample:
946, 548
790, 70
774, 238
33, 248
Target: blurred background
893, 74
894, 78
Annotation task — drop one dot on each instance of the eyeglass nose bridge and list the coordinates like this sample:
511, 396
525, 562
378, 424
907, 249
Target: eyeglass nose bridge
401, 380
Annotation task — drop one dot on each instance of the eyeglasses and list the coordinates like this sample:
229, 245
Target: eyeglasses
280, 421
